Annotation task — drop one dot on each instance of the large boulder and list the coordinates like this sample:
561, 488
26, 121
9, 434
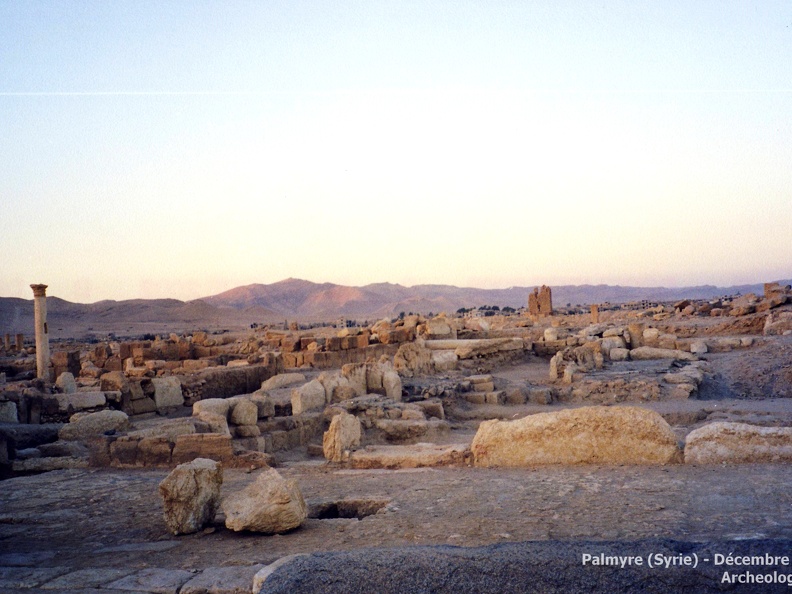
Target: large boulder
588, 435
720, 442
82, 426
191, 495
271, 505
343, 435
310, 396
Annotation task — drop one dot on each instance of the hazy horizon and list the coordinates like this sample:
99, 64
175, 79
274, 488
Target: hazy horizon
528, 287
158, 148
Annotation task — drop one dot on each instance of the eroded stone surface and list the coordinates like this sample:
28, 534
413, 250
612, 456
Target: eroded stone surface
191, 495
738, 442
271, 505
588, 435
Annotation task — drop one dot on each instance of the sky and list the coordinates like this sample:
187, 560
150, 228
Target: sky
180, 148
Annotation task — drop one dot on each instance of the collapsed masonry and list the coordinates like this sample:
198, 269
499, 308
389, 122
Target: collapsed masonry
373, 374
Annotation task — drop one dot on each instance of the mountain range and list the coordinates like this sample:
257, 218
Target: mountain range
308, 301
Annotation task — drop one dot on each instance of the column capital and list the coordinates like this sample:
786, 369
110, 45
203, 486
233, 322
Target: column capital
39, 290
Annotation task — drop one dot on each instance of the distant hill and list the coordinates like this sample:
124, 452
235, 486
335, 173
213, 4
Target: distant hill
125, 318
305, 300
300, 298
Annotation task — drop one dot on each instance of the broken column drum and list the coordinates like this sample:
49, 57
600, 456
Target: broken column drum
42, 334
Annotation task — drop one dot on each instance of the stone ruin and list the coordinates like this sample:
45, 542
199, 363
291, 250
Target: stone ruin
540, 302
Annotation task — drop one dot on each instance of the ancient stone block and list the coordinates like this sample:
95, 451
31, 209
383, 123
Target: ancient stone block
271, 505
202, 445
123, 452
593, 435
154, 451
88, 425
191, 495
167, 393
282, 380
647, 353
310, 396
344, 434
243, 412
410, 456
730, 443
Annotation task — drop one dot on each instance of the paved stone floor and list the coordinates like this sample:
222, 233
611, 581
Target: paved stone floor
102, 530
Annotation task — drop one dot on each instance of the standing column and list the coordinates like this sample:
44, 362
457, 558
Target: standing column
8, 343
42, 334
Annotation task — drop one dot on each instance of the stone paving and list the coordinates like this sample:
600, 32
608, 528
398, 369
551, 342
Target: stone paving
102, 530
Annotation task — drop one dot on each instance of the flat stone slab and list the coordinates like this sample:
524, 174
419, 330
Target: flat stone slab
86, 579
410, 456
157, 581
222, 580
550, 566
28, 577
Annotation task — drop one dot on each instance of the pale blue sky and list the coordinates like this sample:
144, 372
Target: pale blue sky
179, 149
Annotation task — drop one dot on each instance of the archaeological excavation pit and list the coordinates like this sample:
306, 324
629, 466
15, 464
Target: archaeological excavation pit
346, 509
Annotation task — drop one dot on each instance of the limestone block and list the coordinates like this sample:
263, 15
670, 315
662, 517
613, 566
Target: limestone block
497, 397
613, 332
612, 342
413, 358
310, 396
217, 406
243, 412
66, 383
169, 429
667, 341
444, 360
412, 412
617, 354
217, 423
651, 336
356, 374
738, 442
439, 327
243, 431
550, 334
202, 445
154, 451
81, 427
392, 384
80, 401
634, 335
8, 412
432, 408
344, 434
646, 353
167, 393
410, 456
191, 495
271, 505
588, 435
